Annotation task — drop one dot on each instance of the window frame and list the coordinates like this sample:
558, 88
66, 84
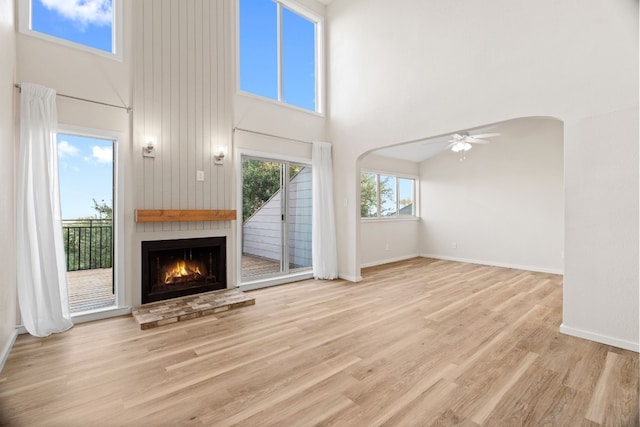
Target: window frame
396, 217
25, 27
315, 18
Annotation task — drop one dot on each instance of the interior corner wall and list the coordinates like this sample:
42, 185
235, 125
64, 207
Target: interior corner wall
601, 295
503, 205
388, 240
8, 299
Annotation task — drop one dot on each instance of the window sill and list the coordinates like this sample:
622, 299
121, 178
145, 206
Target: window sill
390, 219
282, 104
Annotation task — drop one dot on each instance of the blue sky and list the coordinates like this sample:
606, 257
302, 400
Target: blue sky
86, 173
88, 22
258, 53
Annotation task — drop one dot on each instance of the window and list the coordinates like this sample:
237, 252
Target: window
279, 52
93, 25
386, 196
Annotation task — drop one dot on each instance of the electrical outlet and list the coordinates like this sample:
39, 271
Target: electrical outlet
200, 176
387, 247
454, 245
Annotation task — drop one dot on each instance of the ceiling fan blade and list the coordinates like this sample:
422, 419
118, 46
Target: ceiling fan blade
452, 143
484, 135
480, 141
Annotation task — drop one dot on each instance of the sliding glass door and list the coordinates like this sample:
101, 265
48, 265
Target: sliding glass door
276, 218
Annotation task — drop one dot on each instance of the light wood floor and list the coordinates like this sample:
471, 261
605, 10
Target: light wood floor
420, 342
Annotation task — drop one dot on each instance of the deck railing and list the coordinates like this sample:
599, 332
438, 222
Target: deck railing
88, 243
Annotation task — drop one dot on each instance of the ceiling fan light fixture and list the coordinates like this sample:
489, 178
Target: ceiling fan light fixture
460, 146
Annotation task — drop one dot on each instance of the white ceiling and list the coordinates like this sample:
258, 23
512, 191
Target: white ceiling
420, 150
325, 1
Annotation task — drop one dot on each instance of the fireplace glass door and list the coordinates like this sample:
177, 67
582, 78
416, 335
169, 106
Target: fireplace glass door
174, 268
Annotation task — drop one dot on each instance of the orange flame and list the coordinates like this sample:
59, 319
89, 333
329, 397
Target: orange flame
181, 269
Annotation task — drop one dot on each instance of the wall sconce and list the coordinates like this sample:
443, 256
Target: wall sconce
218, 155
149, 147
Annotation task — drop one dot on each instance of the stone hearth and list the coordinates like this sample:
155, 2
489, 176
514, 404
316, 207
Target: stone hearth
189, 307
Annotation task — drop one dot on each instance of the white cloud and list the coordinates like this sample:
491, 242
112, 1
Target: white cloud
66, 150
83, 12
102, 154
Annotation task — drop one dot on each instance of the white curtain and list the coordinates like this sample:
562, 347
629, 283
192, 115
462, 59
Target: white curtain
42, 282
324, 249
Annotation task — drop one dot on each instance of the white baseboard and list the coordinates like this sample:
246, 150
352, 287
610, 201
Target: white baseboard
4, 355
354, 279
603, 339
100, 314
274, 281
89, 316
496, 264
388, 260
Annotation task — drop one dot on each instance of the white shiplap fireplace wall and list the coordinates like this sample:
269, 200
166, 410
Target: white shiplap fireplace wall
182, 79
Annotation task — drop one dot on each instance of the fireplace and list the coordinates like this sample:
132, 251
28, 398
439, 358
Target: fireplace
175, 268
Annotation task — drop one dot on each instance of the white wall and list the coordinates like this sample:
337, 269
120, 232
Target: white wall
8, 300
503, 205
182, 80
388, 240
601, 275
417, 70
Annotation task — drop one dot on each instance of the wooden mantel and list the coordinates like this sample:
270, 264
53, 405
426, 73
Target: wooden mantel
182, 215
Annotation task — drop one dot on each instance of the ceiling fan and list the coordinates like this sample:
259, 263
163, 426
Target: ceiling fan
461, 142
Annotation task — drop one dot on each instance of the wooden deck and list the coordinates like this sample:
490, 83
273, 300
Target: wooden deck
253, 267
90, 289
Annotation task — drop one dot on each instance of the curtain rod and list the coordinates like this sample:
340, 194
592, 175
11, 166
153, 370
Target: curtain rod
128, 109
271, 136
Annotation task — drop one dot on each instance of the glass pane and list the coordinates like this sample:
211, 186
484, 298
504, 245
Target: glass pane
87, 23
261, 218
299, 218
387, 195
259, 47
298, 60
86, 193
405, 202
368, 195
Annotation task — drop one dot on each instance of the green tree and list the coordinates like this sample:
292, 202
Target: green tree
260, 181
103, 210
88, 241
387, 189
368, 195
